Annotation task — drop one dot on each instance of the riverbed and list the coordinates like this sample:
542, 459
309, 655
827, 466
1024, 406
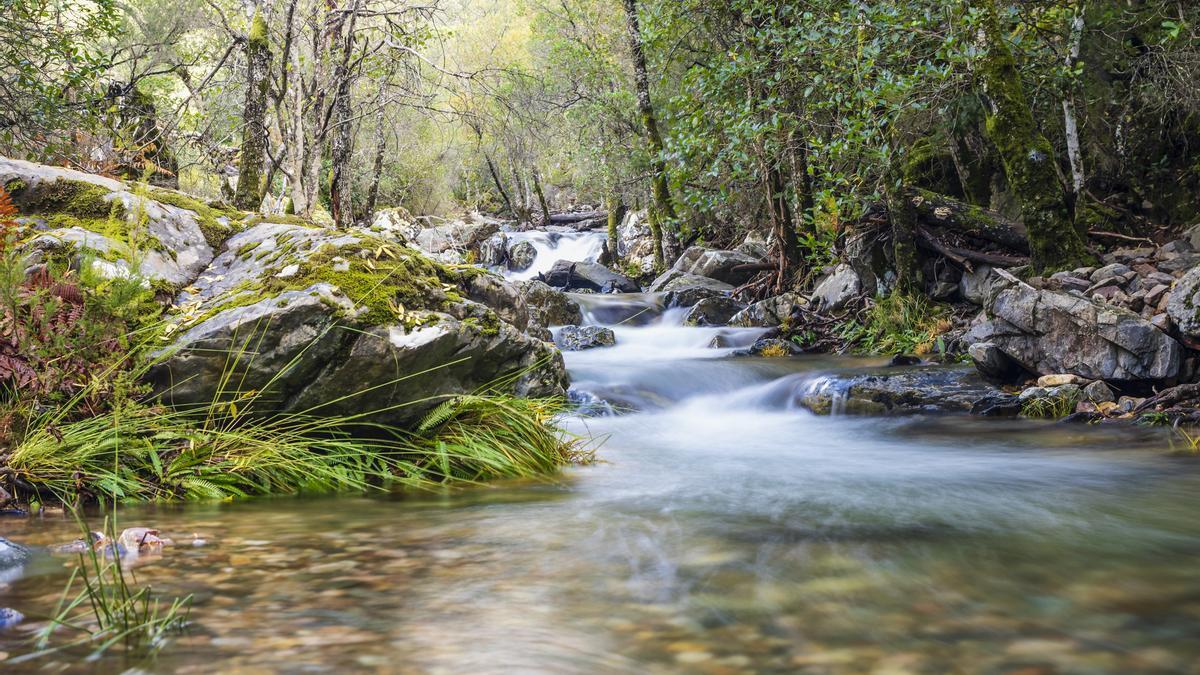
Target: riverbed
723, 530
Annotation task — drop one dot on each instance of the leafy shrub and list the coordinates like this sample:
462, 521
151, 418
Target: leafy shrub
900, 324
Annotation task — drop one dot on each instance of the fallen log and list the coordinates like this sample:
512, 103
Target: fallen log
973, 221
964, 257
576, 217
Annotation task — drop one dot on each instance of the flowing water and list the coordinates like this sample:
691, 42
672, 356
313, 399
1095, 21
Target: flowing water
723, 531
551, 247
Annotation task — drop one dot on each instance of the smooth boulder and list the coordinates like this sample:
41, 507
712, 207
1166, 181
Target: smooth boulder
732, 267
569, 275
1183, 304
837, 290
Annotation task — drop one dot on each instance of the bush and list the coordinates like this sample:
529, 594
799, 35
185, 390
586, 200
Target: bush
900, 324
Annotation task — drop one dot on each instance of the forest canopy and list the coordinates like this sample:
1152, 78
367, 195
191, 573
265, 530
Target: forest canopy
720, 117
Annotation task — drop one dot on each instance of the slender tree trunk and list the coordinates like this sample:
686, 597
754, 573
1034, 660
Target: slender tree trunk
499, 185
541, 196
341, 153
785, 226
660, 187
803, 187
522, 194
616, 213
656, 233
377, 166
248, 195
1027, 156
1070, 119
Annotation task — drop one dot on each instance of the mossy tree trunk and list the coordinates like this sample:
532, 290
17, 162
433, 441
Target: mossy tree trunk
499, 185
1027, 156
541, 196
909, 279
377, 165
248, 194
660, 187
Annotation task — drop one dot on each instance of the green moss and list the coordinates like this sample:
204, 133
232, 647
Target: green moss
246, 248
207, 216
258, 31
386, 282
16, 185
285, 219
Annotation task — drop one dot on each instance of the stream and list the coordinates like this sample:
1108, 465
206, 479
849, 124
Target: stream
723, 530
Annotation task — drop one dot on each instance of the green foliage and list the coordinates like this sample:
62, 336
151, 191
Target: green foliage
900, 324
1050, 407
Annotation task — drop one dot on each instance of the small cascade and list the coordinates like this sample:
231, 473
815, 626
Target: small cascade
554, 246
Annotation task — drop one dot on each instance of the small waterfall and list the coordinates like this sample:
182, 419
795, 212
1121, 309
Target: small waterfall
554, 246
824, 388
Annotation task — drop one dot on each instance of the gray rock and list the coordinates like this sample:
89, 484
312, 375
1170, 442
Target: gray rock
12, 555
635, 244
493, 251
548, 306
837, 289
716, 264
767, 313
458, 236
992, 362
1115, 270
714, 311
1183, 304
1099, 392
570, 275
918, 389
983, 284
578, 338
521, 255
172, 248
10, 617
684, 290
1053, 332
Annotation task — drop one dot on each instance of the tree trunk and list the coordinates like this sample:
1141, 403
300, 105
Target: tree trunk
1070, 119
499, 186
660, 187
973, 221
802, 185
340, 152
541, 195
656, 234
248, 195
616, 213
377, 166
903, 217
1027, 156
785, 226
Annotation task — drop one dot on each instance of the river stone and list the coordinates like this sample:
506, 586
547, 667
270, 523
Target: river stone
900, 391
174, 250
992, 362
717, 264
682, 289
395, 223
521, 255
714, 311
11, 554
459, 236
1053, 332
548, 306
1059, 379
568, 275
837, 289
493, 251
1099, 392
1183, 304
1113, 271
578, 338
635, 243
767, 313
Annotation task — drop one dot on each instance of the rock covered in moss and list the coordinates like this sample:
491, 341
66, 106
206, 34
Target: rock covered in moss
548, 306
342, 322
165, 235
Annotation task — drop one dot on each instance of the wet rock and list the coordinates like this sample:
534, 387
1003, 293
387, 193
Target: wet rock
837, 290
1053, 332
922, 389
997, 405
772, 348
685, 290
713, 311
10, 617
548, 306
635, 243
767, 313
11, 554
521, 256
493, 251
726, 266
591, 276
578, 338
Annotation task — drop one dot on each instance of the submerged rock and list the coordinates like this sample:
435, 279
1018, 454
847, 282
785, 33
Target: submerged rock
11, 554
578, 338
920, 389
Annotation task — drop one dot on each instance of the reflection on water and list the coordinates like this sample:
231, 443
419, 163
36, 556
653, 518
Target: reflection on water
724, 532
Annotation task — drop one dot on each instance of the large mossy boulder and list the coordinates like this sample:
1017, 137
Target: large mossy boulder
1046, 332
549, 307
166, 237
342, 323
